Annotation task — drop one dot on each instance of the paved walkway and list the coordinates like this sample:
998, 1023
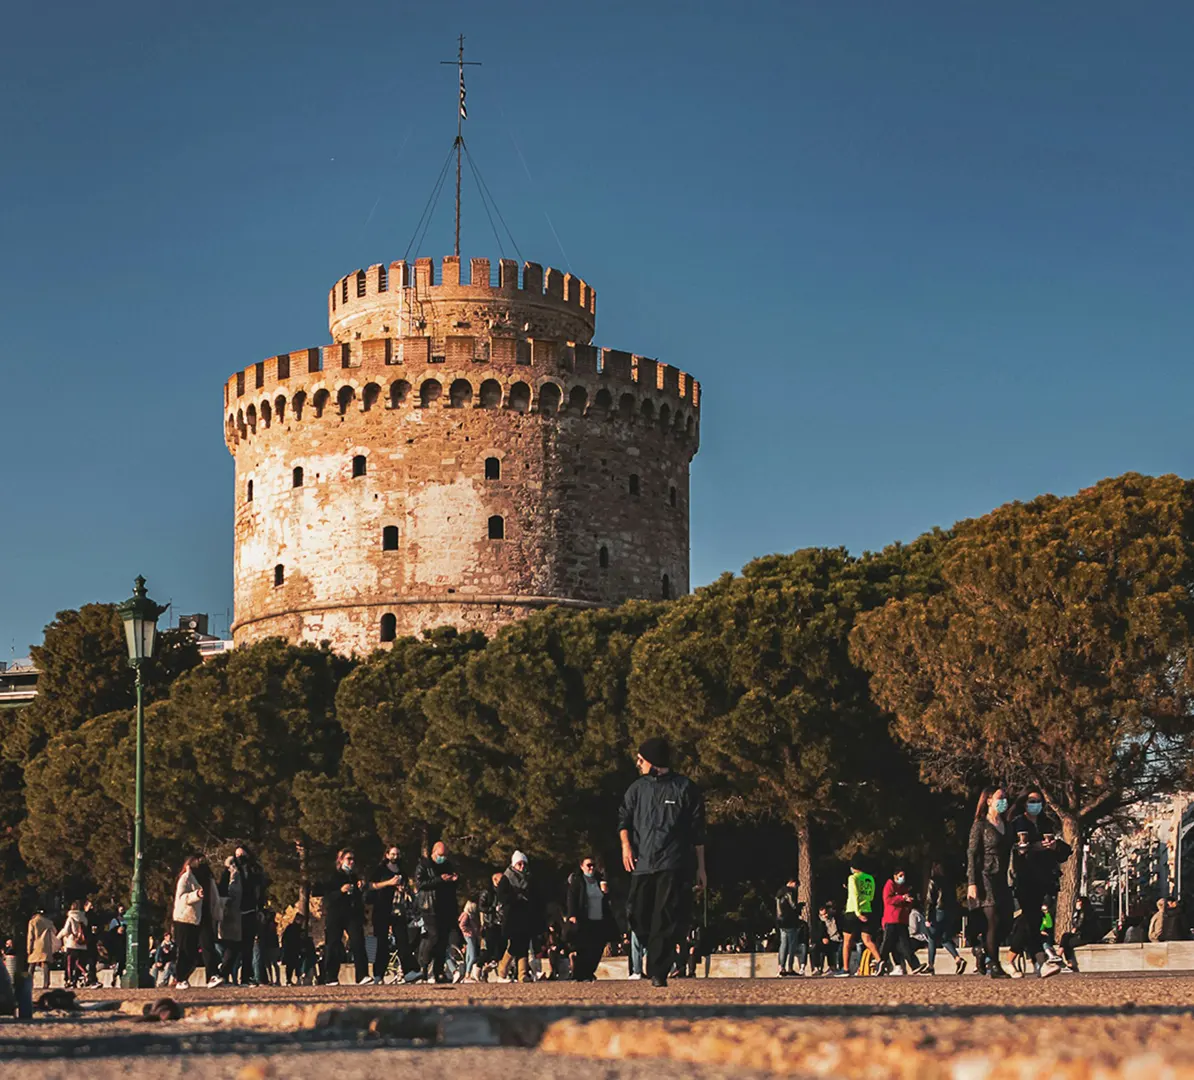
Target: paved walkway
1076, 1027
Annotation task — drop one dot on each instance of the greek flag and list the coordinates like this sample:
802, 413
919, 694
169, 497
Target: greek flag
463, 107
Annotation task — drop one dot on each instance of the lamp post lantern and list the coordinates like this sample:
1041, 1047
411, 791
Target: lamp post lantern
140, 617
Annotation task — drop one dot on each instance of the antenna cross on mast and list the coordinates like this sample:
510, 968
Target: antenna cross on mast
461, 115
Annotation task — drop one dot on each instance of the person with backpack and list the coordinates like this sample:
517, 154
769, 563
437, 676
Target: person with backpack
859, 921
524, 918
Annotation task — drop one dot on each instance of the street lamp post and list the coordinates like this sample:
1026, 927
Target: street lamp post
140, 617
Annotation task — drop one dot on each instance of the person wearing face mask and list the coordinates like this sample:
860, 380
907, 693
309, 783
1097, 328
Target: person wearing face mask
344, 913
1037, 855
897, 905
384, 884
987, 858
589, 919
435, 887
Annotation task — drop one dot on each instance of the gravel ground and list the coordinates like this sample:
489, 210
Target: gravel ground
1072, 1027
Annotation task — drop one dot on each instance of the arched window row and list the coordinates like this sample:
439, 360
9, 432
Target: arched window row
549, 398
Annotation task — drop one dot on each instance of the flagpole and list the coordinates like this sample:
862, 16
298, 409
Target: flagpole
459, 138
461, 115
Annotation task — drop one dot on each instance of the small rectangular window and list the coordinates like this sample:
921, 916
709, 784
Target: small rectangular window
284, 366
259, 374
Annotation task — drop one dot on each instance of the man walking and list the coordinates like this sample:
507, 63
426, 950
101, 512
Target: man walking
589, 919
662, 827
435, 884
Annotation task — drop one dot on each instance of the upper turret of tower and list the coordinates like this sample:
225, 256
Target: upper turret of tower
408, 300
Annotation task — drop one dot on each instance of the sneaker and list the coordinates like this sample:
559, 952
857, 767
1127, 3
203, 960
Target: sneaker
960, 966
1016, 973
1050, 968
659, 980
507, 979
219, 980
332, 982
368, 980
182, 985
841, 975
633, 976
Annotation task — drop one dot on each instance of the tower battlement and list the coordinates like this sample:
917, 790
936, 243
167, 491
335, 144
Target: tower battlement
408, 299
460, 453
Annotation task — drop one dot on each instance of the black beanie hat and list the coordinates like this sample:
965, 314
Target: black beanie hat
657, 752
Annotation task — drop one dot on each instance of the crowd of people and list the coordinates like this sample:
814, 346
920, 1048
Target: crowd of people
425, 926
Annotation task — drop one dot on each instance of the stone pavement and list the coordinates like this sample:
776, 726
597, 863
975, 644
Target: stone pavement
1084, 1027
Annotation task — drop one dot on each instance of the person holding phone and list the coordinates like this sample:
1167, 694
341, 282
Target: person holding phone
1035, 869
344, 914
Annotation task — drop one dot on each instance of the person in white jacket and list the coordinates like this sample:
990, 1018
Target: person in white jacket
197, 911
73, 938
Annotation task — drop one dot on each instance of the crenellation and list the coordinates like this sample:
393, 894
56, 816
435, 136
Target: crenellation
532, 277
424, 383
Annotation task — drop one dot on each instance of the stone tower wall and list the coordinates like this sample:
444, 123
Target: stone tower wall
576, 430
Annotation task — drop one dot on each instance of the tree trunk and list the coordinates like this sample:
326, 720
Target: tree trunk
804, 884
1071, 874
304, 896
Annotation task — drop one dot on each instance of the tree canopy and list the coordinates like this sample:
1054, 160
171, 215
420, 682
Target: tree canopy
752, 680
527, 743
1058, 652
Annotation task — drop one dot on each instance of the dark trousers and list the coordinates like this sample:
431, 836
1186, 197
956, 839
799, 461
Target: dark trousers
656, 904
334, 947
897, 945
590, 944
382, 928
192, 941
230, 966
248, 934
433, 945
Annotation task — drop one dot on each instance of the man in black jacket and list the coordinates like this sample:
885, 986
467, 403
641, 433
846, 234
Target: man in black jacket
662, 828
344, 913
385, 882
589, 917
435, 886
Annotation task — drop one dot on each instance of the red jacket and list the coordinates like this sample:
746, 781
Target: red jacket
897, 903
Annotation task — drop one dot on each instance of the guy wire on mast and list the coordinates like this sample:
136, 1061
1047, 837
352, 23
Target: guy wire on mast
461, 116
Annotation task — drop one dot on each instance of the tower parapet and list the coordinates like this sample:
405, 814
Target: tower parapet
402, 299
455, 468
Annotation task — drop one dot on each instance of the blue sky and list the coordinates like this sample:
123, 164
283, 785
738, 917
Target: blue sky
924, 257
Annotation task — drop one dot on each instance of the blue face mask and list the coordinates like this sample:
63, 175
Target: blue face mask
438, 858
899, 879
1034, 807
1001, 806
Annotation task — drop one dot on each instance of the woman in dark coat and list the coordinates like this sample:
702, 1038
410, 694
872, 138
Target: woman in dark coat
987, 861
524, 916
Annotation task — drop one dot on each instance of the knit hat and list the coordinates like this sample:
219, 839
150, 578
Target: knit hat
657, 752
517, 857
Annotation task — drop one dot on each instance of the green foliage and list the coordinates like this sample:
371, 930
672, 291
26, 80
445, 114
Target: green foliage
249, 747
380, 705
85, 672
1058, 652
527, 744
751, 679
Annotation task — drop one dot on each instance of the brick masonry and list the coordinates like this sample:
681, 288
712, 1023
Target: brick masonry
427, 385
